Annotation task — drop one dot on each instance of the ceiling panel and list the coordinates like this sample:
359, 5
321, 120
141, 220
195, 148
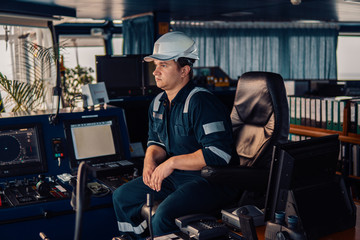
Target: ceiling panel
226, 10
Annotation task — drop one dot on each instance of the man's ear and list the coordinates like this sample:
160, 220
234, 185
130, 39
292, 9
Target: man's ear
185, 70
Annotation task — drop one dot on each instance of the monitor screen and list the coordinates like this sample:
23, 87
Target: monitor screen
94, 140
119, 71
124, 75
21, 150
297, 165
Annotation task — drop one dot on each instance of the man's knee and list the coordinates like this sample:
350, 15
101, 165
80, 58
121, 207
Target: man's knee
126, 193
163, 222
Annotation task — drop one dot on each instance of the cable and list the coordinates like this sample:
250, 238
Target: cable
54, 119
80, 190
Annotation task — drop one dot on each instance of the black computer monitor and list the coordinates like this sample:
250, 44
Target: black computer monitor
303, 182
21, 150
126, 75
95, 140
299, 164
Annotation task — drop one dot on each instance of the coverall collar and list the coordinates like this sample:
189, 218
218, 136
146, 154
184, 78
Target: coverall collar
181, 95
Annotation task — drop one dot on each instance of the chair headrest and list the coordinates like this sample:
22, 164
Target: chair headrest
260, 116
253, 102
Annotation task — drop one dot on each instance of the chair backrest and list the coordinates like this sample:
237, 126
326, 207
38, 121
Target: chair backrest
260, 117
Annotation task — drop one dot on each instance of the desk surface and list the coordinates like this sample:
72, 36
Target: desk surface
350, 234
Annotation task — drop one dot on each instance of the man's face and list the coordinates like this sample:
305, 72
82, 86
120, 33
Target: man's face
167, 74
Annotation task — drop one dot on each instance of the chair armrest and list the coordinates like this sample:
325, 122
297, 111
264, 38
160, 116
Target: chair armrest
244, 177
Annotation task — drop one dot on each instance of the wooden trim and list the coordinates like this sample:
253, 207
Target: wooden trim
138, 15
319, 132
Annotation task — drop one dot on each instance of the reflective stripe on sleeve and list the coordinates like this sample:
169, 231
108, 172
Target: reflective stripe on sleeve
127, 227
157, 102
159, 143
157, 115
214, 127
187, 101
220, 153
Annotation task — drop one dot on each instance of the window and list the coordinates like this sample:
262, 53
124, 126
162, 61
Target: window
117, 44
81, 50
27, 56
348, 56
5, 48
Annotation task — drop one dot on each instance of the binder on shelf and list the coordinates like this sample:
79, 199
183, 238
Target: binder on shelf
307, 112
342, 160
341, 114
355, 158
324, 114
312, 112
353, 116
291, 137
318, 113
336, 115
330, 113
303, 111
297, 110
292, 104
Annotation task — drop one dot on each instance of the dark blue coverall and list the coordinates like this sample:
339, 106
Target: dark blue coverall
196, 120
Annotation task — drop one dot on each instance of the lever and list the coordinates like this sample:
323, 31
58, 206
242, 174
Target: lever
149, 204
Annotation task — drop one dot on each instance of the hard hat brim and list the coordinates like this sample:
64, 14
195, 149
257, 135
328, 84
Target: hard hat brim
160, 57
163, 57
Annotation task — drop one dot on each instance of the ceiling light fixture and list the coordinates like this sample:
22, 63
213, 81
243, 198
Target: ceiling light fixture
352, 1
295, 2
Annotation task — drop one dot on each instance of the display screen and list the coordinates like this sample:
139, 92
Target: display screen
94, 140
21, 151
119, 71
124, 75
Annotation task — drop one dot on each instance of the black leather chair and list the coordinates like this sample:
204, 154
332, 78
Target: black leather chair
260, 120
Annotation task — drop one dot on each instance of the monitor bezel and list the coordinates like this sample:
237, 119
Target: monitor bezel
115, 129
27, 168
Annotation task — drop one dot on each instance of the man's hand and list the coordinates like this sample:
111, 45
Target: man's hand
160, 173
153, 157
147, 172
156, 168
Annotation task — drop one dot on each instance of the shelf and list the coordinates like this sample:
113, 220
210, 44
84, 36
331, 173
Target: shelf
319, 132
344, 136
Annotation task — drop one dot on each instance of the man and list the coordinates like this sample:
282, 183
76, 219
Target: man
189, 128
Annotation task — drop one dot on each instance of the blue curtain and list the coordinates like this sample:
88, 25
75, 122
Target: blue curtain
295, 53
312, 54
138, 35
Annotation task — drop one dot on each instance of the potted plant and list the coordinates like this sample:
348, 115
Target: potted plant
73, 80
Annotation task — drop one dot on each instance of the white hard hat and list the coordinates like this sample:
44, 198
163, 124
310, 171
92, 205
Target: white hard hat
173, 45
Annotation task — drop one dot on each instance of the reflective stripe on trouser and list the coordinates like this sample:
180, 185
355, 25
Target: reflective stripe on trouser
128, 200
127, 227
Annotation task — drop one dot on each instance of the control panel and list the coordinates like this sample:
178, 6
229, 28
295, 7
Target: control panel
37, 159
20, 192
